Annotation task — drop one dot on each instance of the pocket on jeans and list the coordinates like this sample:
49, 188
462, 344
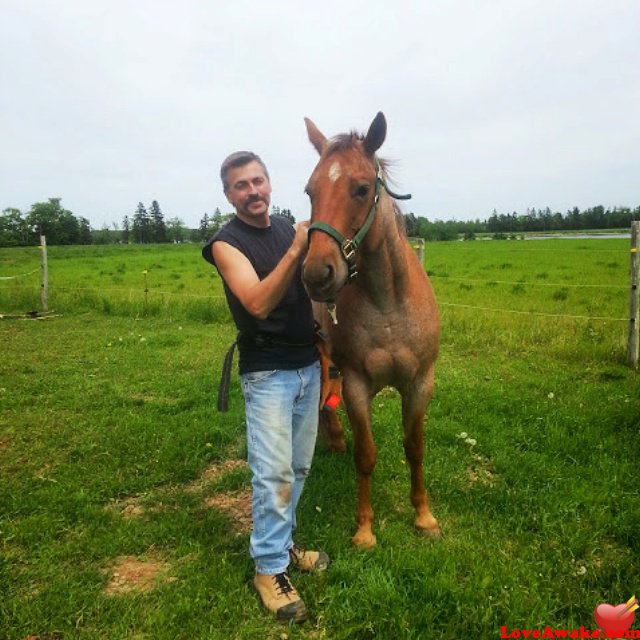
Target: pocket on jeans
258, 376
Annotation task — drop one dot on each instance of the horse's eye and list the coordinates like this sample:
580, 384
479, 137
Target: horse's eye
362, 190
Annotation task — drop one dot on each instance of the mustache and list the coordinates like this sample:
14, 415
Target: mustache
252, 199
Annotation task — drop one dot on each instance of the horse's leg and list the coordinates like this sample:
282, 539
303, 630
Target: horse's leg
358, 404
413, 412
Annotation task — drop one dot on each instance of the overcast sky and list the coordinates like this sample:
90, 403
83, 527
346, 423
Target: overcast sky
489, 104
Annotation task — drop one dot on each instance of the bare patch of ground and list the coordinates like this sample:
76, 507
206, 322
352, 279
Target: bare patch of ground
236, 506
214, 472
131, 508
131, 574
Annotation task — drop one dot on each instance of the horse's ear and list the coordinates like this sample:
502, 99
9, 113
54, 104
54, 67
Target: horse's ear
316, 137
376, 134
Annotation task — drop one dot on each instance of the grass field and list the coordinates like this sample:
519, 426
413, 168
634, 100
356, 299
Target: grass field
123, 493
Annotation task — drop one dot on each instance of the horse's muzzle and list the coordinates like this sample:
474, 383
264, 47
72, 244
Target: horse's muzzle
323, 278
319, 279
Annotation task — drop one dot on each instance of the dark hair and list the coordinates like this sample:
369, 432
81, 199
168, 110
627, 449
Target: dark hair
239, 159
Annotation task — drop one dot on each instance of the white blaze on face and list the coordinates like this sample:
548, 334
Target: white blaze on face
335, 171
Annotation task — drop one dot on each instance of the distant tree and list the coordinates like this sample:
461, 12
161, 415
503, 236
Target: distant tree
411, 224
216, 221
574, 219
204, 228
176, 230
493, 224
102, 235
286, 213
84, 231
209, 225
158, 228
126, 229
59, 225
14, 228
141, 227
275, 210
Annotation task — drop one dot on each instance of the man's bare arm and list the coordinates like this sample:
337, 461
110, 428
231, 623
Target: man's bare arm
259, 297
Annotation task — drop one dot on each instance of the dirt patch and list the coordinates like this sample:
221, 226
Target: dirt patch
236, 506
130, 508
131, 574
481, 472
134, 507
214, 472
44, 473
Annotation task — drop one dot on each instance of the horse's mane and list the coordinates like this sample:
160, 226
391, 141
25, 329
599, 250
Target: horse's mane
344, 142
347, 141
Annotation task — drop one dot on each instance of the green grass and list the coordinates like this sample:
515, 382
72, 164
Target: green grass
139, 280
539, 517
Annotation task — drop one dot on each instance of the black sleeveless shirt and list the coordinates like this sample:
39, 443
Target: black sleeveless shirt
286, 338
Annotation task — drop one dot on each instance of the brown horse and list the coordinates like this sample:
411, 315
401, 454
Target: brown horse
361, 265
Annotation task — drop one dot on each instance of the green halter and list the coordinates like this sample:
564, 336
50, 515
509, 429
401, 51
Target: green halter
347, 246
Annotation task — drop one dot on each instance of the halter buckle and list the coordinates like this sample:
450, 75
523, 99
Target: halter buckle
348, 250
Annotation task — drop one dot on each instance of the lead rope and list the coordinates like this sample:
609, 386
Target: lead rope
225, 380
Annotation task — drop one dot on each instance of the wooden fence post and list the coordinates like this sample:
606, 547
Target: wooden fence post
146, 291
634, 321
44, 287
417, 244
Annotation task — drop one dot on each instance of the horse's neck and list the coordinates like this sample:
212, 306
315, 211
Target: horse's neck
383, 269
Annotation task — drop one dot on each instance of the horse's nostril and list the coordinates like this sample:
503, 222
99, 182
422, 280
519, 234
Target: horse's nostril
329, 274
319, 277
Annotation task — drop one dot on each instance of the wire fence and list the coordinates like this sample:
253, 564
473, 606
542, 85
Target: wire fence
132, 292
533, 284
533, 313
20, 275
151, 293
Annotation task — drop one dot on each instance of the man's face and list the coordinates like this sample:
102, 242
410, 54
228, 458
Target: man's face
249, 191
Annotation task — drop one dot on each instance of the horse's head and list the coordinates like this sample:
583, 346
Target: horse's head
343, 188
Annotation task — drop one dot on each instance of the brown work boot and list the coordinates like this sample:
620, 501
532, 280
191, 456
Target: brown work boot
279, 596
308, 560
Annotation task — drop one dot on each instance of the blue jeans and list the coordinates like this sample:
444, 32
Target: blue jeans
282, 422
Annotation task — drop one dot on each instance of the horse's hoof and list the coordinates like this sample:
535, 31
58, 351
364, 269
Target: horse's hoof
339, 446
364, 540
434, 533
429, 527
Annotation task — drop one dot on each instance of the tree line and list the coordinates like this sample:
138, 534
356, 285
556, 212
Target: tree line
148, 225
44, 218
533, 221
145, 225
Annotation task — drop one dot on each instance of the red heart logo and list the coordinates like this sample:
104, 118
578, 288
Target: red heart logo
613, 620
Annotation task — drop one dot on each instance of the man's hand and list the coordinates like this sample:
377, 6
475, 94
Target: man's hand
301, 239
260, 297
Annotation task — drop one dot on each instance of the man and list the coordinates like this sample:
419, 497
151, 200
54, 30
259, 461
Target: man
259, 259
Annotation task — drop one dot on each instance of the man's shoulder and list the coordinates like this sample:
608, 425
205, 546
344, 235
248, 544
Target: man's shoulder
282, 223
227, 227
225, 233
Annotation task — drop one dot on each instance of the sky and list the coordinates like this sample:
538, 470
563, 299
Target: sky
489, 104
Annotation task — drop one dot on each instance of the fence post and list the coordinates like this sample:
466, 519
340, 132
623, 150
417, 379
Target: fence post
146, 291
417, 244
44, 287
634, 321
